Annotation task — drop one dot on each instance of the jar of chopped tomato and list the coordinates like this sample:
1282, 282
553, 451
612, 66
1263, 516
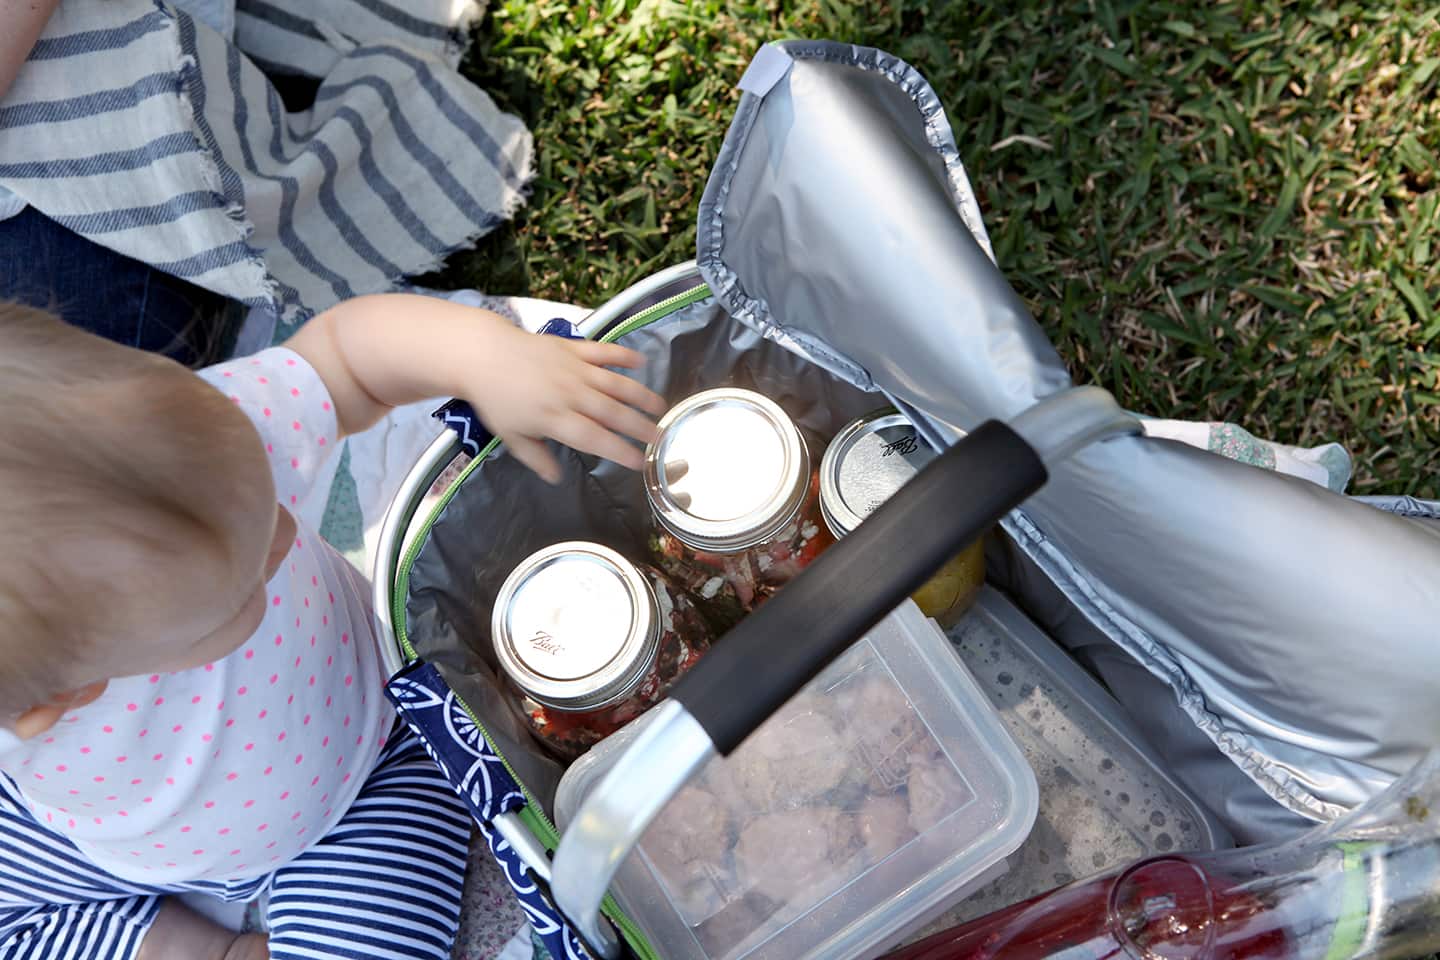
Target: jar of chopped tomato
736, 498
589, 641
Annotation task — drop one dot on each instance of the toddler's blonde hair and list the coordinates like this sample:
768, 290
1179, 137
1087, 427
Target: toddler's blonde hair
105, 451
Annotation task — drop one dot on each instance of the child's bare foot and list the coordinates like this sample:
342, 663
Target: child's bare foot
180, 933
249, 946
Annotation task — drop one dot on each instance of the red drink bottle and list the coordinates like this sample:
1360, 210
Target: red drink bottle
1365, 886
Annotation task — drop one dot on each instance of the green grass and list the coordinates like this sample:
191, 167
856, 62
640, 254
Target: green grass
1218, 212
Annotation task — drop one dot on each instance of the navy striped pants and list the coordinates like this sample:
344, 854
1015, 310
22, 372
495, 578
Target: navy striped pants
384, 883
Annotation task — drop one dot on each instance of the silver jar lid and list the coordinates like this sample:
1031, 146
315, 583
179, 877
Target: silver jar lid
729, 470
865, 464
575, 626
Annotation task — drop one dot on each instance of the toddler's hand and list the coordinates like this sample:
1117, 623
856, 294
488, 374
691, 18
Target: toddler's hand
378, 352
535, 387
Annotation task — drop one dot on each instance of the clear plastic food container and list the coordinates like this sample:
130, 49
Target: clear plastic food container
868, 804
1105, 798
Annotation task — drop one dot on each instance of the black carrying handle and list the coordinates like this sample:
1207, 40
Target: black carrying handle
854, 584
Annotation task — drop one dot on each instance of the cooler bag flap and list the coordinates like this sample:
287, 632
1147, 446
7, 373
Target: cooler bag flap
1294, 626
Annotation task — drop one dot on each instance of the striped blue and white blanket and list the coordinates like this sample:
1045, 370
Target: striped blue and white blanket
156, 134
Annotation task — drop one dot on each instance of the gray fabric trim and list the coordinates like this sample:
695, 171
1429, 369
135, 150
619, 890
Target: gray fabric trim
1404, 506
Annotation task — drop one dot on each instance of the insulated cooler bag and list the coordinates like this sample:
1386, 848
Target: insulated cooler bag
1275, 640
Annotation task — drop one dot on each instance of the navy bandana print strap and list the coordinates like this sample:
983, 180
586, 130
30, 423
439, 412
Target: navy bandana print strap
454, 741
460, 417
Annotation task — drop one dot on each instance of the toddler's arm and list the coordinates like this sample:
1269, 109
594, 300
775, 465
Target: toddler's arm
381, 351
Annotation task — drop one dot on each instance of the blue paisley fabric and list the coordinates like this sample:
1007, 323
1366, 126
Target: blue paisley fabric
477, 773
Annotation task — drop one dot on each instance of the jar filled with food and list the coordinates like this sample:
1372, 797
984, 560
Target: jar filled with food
865, 464
735, 495
590, 641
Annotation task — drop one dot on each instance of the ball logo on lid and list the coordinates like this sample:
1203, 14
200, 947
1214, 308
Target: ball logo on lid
904, 446
543, 642
878, 464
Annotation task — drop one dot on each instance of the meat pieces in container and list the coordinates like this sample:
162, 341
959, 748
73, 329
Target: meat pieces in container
872, 799
841, 778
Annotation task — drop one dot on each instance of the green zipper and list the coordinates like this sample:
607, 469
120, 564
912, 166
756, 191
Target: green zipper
532, 814
657, 312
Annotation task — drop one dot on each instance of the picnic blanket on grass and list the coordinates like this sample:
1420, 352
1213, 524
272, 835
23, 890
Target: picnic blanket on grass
144, 129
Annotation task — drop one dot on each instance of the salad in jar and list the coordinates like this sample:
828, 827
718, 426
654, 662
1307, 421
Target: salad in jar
588, 641
736, 501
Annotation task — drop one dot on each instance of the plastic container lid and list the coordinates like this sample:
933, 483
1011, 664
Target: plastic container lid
874, 797
1105, 799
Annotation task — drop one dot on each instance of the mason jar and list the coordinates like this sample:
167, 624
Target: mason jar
865, 464
736, 498
589, 641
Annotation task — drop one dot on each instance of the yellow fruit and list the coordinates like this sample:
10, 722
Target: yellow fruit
947, 594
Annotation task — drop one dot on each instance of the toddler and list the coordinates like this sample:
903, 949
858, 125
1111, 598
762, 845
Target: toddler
191, 696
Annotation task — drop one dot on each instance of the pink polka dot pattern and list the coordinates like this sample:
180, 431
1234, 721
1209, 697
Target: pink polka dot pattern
277, 712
